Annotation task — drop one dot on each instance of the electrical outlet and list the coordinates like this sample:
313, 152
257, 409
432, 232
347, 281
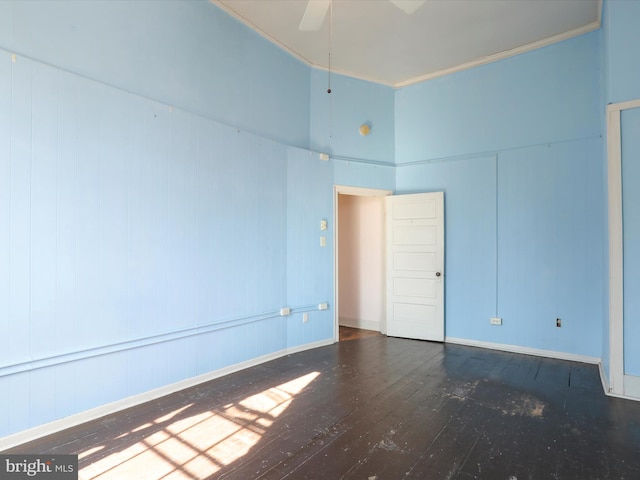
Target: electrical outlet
305, 317
285, 311
495, 321
323, 306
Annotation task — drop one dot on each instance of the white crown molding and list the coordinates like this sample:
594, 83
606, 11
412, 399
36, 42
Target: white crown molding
503, 55
428, 76
599, 7
290, 51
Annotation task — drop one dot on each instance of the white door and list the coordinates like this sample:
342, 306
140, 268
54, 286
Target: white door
415, 262
623, 124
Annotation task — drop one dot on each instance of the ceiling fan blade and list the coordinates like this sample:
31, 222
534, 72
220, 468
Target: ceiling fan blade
314, 15
408, 6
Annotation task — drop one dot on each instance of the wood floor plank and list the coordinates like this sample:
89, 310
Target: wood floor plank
375, 407
382, 417
366, 414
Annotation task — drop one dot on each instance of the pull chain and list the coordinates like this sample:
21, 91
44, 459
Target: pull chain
330, 39
329, 70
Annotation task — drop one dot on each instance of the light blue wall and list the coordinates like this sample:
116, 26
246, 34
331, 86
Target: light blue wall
547, 95
360, 174
309, 266
188, 54
622, 60
336, 118
606, 351
550, 239
515, 145
469, 187
358, 161
145, 235
142, 242
622, 36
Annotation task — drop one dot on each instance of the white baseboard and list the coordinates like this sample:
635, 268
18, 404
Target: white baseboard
359, 323
306, 346
631, 385
34, 433
525, 350
604, 379
626, 395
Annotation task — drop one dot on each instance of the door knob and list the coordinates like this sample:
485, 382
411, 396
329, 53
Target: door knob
438, 274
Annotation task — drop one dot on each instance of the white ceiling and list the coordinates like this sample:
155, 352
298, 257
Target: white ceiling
375, 40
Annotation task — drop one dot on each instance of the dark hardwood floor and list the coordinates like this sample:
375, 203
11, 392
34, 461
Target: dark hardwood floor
373, 408
350, 333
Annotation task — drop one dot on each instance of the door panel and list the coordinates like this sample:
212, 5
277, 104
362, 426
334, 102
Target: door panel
414, 287
630, 158
415, 261
414, 234
412, 210
412, 318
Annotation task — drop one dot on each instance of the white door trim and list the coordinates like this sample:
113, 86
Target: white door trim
616, 296
345, 190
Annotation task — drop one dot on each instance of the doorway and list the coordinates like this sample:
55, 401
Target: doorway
359, 261
623, 125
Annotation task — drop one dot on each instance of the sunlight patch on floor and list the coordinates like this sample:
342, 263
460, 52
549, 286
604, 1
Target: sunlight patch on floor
196, 446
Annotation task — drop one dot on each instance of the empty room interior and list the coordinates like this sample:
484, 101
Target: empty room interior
198, 196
